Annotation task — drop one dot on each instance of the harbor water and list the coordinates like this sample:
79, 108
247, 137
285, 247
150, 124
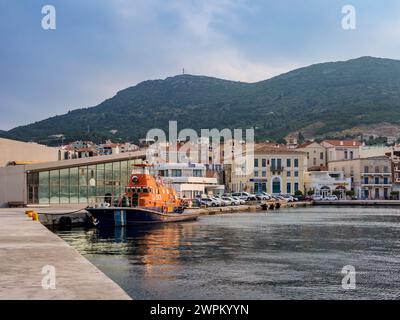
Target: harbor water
293, 253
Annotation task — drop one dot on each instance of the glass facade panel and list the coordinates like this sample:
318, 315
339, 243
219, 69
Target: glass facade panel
64, 186
55, 186
44, 189
100, 191
124, 173
74, 185
83, 184
117, 179
92, 184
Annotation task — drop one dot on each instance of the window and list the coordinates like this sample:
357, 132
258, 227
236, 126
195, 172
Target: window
366, 180
256, 173
385, 181
321, 156
255, 163
351, 154
289, 173
176, 173
296, 173
197, 173
296, 186
264, 174
288, 163
296, 163
376, 180
264, 163
288, 187
345, 154
385, 169
376, 169
279, 163
366, 169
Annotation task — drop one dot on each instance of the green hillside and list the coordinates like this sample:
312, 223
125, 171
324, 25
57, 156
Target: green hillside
339, 94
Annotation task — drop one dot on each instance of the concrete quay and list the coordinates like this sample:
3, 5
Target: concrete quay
26, 247
381, 203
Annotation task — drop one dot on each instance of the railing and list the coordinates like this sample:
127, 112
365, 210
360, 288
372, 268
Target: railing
277, 168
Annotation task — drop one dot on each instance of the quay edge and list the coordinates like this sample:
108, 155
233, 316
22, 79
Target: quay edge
27, 246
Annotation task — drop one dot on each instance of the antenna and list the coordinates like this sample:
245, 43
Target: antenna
183, 71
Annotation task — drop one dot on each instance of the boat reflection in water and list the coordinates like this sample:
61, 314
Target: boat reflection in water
147, 245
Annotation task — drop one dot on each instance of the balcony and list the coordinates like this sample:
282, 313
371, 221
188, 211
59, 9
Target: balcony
276, 168
384, 174
377, 185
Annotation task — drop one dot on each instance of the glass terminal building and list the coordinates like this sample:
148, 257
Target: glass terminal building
75, 181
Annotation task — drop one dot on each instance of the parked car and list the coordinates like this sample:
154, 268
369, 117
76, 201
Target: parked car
245, 196
331, 198
287, 197
209, 202
196, 202
223, 202
231, 201
316, 197
262, 196
241, 201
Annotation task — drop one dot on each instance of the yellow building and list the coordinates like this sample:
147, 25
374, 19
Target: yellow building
273, 169
316, 155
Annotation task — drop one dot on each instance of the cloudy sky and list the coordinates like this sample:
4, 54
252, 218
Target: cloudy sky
102, 46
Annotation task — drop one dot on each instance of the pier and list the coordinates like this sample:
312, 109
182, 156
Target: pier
27, 247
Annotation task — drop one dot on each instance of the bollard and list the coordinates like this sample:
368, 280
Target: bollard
35, 216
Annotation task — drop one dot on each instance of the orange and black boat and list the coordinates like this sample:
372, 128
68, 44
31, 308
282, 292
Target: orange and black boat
146, 200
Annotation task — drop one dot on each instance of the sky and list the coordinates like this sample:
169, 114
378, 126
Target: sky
102, 46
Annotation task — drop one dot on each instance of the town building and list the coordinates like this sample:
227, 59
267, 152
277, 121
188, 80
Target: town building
326, 183
394, 155
371, 178
189, 179
273, 170
373, 151
316, 155
341, 149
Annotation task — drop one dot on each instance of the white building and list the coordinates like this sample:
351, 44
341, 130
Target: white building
337, 150
188, 179
324, 183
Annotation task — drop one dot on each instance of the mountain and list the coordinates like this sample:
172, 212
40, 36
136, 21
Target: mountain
330, 96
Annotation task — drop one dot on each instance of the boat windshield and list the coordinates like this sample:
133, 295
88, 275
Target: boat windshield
141, 170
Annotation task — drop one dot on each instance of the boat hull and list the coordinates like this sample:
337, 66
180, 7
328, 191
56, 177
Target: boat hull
130, 216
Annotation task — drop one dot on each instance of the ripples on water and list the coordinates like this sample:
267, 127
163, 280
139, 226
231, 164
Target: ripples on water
288, 254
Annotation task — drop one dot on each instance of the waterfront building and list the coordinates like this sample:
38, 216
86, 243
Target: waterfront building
273, 170
394, 155
316, 155
189, 179
374, 151
341, 149
326, 183
371, 178
13, 151
68, 182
